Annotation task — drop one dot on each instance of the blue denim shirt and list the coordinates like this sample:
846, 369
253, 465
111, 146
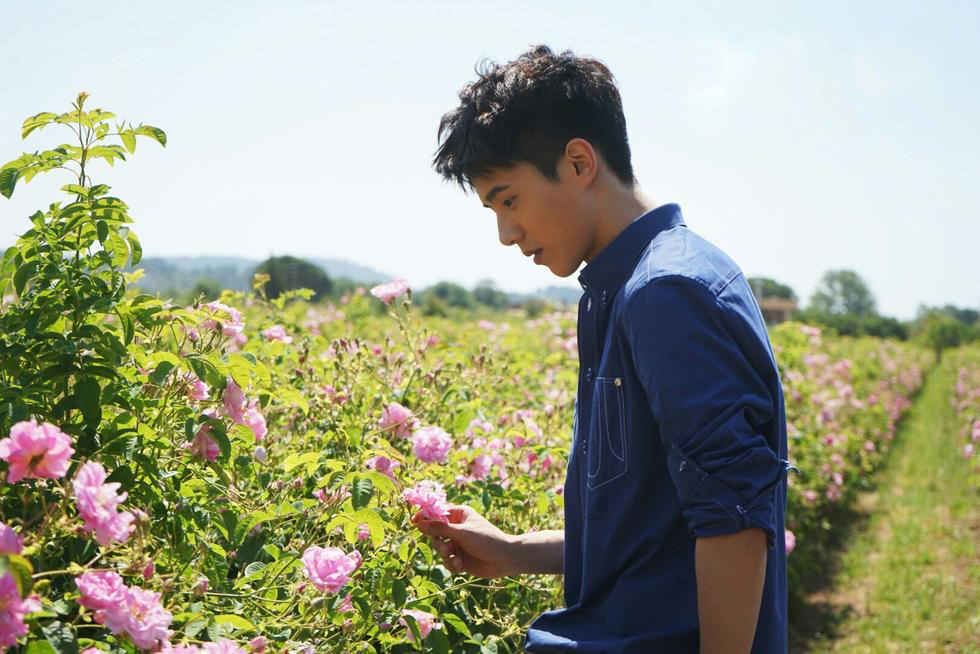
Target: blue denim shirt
680, 432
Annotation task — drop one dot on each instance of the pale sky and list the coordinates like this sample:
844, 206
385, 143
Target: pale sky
832, 135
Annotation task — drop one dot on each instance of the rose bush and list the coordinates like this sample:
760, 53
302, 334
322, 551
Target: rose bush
241, 475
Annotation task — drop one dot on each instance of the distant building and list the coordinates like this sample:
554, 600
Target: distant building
776, 309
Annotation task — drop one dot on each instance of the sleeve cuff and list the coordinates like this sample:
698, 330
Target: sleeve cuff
712, 506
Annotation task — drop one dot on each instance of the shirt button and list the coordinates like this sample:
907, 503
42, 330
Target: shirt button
588, 304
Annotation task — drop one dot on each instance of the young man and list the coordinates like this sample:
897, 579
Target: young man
675, 489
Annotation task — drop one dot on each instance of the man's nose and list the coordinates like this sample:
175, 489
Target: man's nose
509, 231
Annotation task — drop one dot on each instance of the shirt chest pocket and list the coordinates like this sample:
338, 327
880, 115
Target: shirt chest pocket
607, 455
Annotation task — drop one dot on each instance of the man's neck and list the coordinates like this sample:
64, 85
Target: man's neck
621, 205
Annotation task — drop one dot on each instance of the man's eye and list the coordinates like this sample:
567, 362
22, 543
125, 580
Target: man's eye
509, 202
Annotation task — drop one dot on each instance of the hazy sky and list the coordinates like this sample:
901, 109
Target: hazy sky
833, 135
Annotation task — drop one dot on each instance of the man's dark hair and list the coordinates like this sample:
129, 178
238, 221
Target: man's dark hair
528, 110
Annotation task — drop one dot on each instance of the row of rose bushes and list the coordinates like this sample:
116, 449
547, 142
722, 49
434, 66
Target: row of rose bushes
966, 402
306, 437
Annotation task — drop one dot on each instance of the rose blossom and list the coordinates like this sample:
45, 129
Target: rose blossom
97, 504
203, 445
12, 611
388, 292
397, 419
329, 568
197, 390
277, 333
430, 497
384, 465
36, 451
790, 541
431, 444
254, 420
10, 541
234, 401
223, 646
134, 611
426, 622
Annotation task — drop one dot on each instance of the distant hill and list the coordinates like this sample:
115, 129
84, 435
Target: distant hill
164, 274
180, 274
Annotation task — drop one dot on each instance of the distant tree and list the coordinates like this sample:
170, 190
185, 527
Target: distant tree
209, 288
287, 273
452, 294
487, 293
966, 316
843, 291
766, 287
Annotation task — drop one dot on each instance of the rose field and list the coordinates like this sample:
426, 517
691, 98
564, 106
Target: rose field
241, 475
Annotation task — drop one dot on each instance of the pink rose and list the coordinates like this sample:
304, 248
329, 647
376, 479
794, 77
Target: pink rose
388, 292
431, 444
36, 451
277, 333
197, 390
12, 611
97, 504
384, 465
790, 541
10, 541
234, 401
426, 622
430, 497
397, 419
329, 568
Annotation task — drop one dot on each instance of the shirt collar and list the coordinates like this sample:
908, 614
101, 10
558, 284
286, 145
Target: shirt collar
610, 268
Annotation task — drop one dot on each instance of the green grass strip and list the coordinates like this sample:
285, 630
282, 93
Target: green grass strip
910, 580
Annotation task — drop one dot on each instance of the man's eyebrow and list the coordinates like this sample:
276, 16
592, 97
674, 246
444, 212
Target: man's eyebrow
493, 193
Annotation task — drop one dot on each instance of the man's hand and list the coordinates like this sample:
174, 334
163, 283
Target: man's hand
470, 543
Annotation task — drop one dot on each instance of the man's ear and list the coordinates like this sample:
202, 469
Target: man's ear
583, 159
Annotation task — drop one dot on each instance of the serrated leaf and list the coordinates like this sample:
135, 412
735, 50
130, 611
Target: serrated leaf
60, 636
361, 491
194, 627
456, 623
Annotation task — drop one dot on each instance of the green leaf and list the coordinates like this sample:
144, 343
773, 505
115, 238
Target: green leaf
154, 133
39, 647
361, 491
129, 140
137, 249
24, 273
294, 460
194, 627
235, 621
36, 121
102, 229
87, 392
61, 637
8, 179
21, 570
117, 249
76, 189
456, 623
159, 374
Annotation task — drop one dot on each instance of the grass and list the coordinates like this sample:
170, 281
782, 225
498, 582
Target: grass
908, 576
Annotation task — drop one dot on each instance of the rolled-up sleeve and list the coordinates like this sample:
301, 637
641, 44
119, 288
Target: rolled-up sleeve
713, 408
